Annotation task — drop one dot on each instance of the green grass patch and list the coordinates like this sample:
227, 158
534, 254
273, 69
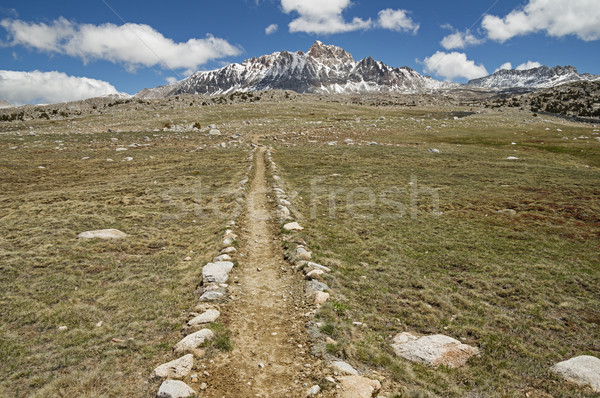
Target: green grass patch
417, 244
222, 340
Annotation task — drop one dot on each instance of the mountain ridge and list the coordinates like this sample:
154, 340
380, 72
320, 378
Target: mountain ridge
534, 78
5, 104
323, 69
328, 69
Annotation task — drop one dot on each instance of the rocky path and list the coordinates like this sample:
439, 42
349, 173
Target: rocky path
265, 314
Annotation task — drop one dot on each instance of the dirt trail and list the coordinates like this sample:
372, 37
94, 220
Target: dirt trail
271, 356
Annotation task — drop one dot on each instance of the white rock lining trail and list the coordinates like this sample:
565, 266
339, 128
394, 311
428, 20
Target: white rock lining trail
348, 382
261, 301
265, 314
214, 289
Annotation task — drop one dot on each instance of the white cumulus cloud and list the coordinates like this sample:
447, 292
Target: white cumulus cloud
524, 66
49, 87
460, 40
324, 17
528, 65
453, 66
556, 18
506, 66
397, 20
133, 45
269, 30
171, 79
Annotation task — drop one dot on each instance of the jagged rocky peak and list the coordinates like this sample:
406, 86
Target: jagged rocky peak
325, 52
562, 70
369, 62
323, 69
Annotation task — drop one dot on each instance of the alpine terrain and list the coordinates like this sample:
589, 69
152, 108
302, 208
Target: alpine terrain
323, 69
536, 78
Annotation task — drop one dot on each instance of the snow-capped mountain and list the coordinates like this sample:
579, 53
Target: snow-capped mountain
323, 69
117, 96
5, 104
541, 77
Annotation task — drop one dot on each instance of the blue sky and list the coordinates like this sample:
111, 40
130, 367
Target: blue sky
128, 46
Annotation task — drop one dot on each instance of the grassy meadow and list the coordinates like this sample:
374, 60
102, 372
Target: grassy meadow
414, 238
122, 302
419, 243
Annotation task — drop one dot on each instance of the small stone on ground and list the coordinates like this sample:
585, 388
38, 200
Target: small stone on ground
102, 234
176, 369
211, 296
222, 257
216, 272
314, 390
303, 254
310, 264
292, 226
433, 350
315, 286
175, 389
358, 387
507, 212
208, 316
321, 297
583, 370
344, 368
194, 340
315, 273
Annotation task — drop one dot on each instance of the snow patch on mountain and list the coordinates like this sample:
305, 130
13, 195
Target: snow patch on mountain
323, 69
535, 78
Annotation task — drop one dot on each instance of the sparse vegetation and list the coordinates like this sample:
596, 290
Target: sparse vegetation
121, 301
222, 340
523, 288
517, 287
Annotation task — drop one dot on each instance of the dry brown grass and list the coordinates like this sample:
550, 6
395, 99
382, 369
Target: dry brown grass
521, 288
172, 201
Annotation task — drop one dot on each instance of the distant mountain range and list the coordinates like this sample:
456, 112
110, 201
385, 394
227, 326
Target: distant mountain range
323, 69
5, 104
536, 78
329, 69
